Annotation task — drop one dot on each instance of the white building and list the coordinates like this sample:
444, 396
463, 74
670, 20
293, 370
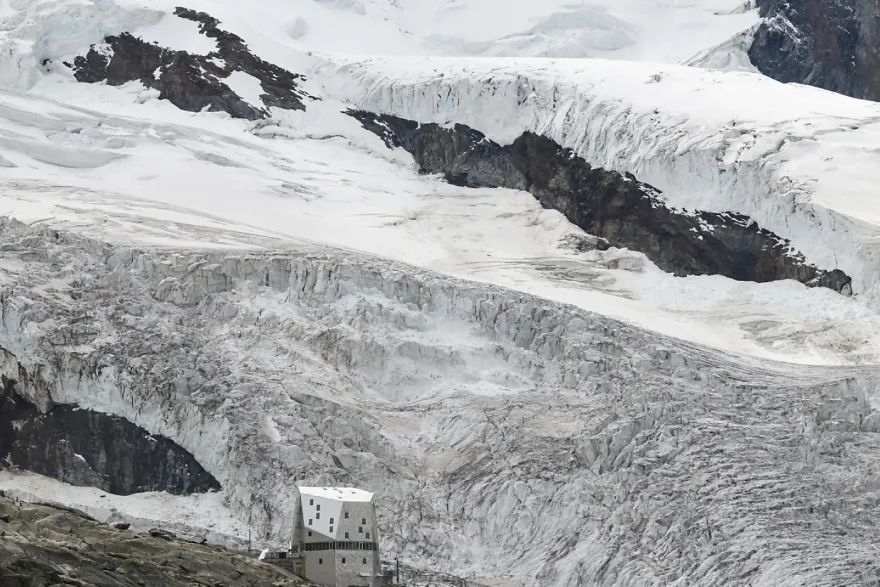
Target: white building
334, 537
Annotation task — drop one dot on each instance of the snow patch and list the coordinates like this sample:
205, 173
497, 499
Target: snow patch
271, 430
178, 34
198, 516
246, 86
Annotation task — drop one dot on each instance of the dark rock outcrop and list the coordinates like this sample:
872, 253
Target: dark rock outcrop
830, 44
192, 82
615, 207
88, 448
46, 545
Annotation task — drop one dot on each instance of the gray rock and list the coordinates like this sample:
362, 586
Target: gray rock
614, 207
159, 533
830, 44
192, 82
88, 448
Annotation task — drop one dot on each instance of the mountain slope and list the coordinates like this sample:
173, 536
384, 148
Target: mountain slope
624, 29
210, 246
288, 196
792, 157
828, 44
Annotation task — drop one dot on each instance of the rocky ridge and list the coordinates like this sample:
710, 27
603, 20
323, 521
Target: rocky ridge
189, 81
830, 44
612, 206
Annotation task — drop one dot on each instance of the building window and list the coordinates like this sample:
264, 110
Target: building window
364, 521
310, 523
318, 507
331, 530
360, 529
321, 561
310, 532
311, 502
346, 515
365, 561
343, 560
346, 535
331, 520
368, 535
318, 516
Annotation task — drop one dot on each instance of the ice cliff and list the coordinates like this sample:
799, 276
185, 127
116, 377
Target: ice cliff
708, 140
508, 436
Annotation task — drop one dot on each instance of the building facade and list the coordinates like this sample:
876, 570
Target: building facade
334, 538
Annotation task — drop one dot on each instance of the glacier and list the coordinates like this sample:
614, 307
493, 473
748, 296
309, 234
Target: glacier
509, 436
780, 159
292, 302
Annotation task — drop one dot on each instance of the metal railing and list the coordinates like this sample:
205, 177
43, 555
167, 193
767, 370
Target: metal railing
339, 545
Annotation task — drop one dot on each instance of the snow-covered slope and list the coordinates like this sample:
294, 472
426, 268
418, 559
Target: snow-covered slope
647, 30
217, 185
289, 300
621, 29
796, 159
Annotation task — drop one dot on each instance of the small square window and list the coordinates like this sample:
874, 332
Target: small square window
346, 515
310, 522
321, 561
346, 535
311, 502
365, 561
360, 529
318, 507
331, 528
310, 532
343, 560
368, 535
331, 520
364, 521
318, 516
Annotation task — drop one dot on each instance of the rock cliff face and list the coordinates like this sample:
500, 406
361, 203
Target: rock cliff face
606, 204
192, 82
43, 545
831, 44
88, 448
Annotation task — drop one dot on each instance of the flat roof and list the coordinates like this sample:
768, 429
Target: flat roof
337, 493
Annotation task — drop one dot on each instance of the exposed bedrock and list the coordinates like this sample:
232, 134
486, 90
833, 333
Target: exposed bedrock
607, 204
831, 44
189, 81
44, 545
88, 448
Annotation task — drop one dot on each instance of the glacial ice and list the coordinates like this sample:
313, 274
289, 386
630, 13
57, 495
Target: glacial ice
508, 437
511, 438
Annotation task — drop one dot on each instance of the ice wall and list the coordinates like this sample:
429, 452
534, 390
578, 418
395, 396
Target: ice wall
721, 141
508, 437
